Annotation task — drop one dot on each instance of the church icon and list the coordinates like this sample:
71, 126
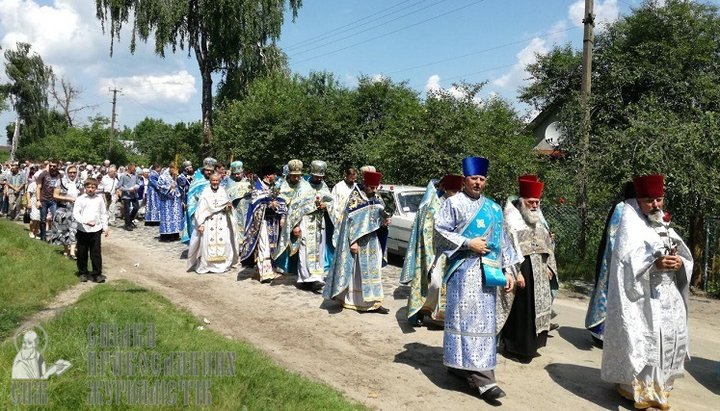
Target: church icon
29, 363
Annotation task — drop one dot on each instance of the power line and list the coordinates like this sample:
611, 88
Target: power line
330, 32
369, 28
392, 32
482, 51
459, 76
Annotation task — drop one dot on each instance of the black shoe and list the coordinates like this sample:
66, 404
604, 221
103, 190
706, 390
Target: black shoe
133, 224
128, 228
99, 279
554, 326
381, 310
317, 287
493, 394
83, 278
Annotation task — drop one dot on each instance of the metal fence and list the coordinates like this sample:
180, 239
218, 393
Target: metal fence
565, 224
711, 257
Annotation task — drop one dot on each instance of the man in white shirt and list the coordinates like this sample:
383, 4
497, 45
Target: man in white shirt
108, 188
91, 216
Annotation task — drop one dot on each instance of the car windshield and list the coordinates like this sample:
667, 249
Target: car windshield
410, 202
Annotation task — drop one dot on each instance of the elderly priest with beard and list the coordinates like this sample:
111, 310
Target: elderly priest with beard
528, 323
646, 333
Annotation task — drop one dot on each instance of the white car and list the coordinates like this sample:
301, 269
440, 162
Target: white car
404, 202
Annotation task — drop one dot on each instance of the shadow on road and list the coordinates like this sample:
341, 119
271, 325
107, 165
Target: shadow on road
580, 338
428, 360
585, 382
401, 318
706, 372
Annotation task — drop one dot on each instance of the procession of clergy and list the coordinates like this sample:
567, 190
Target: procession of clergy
485, 273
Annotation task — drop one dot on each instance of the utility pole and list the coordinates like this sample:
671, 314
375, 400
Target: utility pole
585, 92
112, 120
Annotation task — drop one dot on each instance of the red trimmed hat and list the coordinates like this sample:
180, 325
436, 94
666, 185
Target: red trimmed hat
649, 186
452, 182
531, 189
528, 177
372, 178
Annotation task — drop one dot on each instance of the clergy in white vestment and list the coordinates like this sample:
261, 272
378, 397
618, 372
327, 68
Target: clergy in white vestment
214, 244
646, 333
340, 194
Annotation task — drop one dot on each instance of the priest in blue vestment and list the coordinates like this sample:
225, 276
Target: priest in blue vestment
469, 231
355, 277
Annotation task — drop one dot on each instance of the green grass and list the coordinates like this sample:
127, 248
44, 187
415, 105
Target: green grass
31, 274
4, 156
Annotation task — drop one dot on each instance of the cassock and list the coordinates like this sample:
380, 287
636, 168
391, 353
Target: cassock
528, 322
152, 210
170, 206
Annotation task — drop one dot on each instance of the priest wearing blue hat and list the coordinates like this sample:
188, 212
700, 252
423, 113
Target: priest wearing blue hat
469, 231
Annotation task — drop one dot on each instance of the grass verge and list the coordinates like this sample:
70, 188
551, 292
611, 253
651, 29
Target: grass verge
166, 366
31, 274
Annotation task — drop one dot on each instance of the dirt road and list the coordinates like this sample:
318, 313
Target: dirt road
378, 359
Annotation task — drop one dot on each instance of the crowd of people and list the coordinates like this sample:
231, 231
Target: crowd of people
486, 273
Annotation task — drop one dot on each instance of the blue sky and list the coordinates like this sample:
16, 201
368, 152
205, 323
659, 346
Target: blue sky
428, 43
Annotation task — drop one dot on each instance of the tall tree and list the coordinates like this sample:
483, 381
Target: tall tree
655, 107
28, 90
222, 34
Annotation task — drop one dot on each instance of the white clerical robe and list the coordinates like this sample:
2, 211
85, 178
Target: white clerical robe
216, 249
646, 334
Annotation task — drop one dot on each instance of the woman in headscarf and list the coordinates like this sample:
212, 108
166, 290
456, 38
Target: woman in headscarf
63, 226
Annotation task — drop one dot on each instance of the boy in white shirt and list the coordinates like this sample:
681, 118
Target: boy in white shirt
92, 219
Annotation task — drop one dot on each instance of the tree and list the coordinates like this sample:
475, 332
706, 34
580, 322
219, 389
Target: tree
28, 90
64, 97
655, 108
222, 34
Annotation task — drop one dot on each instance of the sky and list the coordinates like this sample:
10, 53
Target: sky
431, 44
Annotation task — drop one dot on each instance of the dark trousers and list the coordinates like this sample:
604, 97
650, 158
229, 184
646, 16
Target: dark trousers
88, 243
475, 379
45, 206
128, 212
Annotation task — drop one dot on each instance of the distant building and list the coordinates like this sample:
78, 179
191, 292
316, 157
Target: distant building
548, 131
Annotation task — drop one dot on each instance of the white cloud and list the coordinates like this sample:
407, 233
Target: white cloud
65, 32
517, 74
177, 87
433, 86
606, 12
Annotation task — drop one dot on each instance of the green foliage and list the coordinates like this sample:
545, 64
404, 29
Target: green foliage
28, 89
655, 107
227, 36
88, 144
382, 123
162, 143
